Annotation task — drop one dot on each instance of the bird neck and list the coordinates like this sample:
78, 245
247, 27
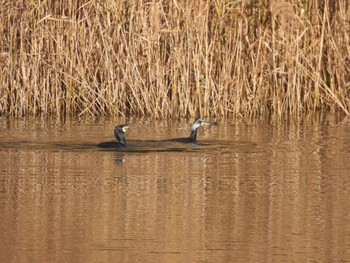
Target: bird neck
120, 137
121, 140
193, 135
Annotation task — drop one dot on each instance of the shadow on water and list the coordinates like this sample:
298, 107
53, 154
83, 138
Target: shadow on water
145, 146
134, 146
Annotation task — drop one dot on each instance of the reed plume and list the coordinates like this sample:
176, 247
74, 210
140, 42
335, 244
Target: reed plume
170, 58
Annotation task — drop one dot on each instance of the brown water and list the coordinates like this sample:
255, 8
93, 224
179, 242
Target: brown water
244, 193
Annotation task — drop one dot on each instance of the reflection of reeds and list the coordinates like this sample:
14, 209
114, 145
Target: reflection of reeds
174, 58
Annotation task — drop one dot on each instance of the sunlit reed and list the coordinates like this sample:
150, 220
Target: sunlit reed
174, 58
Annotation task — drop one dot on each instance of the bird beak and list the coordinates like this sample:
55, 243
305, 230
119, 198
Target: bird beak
125, 128
206, 123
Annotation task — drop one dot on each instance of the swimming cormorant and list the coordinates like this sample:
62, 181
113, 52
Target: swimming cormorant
119, 135
193, 136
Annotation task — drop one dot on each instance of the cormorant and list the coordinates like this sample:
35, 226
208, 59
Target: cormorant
193, 136
119, 135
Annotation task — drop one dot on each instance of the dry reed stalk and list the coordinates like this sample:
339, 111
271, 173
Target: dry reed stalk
174, 58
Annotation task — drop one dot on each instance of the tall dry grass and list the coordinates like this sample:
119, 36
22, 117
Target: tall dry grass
173, 58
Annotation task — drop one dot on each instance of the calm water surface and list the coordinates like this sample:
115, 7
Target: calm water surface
244, 193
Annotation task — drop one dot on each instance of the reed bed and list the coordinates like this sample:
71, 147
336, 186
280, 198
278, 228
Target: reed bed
174, 58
